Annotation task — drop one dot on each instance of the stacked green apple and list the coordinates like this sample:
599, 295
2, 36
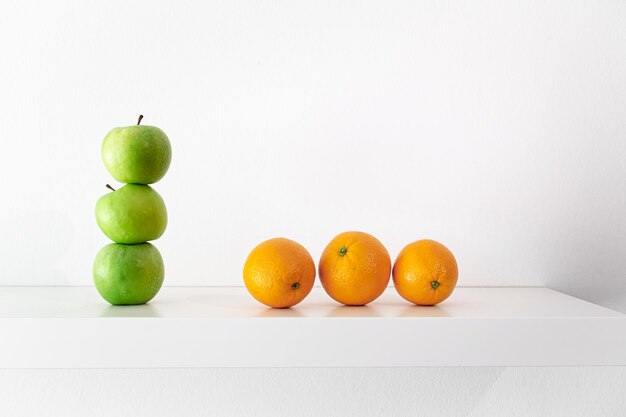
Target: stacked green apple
131, 270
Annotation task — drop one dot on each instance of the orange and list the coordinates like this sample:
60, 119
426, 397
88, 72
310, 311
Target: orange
279, 273
425, 272
355, 268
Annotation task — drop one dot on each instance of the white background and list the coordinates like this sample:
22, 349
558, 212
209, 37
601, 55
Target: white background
497, 128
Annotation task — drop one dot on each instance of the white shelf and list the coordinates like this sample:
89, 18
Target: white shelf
72, 327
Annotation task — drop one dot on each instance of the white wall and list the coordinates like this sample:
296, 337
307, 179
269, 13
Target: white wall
496, 127
421, 392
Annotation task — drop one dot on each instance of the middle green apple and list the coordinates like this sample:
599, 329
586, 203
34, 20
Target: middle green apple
133, 214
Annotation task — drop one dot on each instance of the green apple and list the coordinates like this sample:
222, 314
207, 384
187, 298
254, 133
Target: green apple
137, 154
133, 214
128, 274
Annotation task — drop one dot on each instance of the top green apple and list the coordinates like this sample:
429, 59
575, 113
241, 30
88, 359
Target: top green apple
137, 154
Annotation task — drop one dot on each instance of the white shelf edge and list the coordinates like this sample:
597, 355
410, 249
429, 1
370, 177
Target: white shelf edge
193, 333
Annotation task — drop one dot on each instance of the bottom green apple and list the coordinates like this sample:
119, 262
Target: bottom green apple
128, 274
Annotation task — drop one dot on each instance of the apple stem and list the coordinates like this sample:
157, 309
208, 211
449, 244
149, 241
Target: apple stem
139, 121
109, 187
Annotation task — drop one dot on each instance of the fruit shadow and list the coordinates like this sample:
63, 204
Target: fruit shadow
354, 311
143, 310
413, 310
387, 309
279, 312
